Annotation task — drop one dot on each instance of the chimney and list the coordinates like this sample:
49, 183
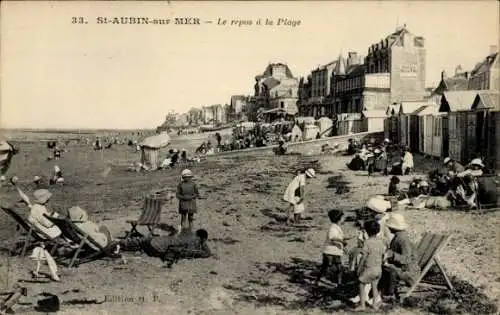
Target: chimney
458, 70
493, 49
443, 75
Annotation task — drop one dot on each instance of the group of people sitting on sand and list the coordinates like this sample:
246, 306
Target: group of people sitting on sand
450, 186
172, 160
170, 245
374, 158
383, 257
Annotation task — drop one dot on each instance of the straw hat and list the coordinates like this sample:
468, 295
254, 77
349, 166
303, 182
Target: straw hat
447, 160
187, 173
387, 140
477, 162
36, 178
42, 196
377, 151
310, 173
77, 214
397, 222
378, 205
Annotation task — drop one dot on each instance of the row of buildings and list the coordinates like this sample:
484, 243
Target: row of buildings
391, 74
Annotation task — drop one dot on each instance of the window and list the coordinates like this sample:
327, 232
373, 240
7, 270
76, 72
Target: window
282, 104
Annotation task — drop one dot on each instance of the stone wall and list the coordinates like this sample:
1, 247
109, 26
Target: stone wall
310, 147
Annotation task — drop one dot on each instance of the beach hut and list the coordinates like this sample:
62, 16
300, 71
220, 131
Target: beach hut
150, 149
391, 123
374, 120
349, 123
325, 125
296, 133
426, 131
310, 132
486, 105
459, 128
408, 121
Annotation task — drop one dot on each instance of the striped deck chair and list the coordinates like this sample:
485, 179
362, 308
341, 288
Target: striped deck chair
150, 216
86, 244
427, 251
34, 236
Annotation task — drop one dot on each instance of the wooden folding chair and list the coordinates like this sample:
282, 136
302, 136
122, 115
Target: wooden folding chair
150, 215
70, 231
427, 251
34, 235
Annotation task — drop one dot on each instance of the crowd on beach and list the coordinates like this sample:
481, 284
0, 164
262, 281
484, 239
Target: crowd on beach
383, 258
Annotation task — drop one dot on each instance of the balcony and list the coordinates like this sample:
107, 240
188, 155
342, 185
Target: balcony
378, 80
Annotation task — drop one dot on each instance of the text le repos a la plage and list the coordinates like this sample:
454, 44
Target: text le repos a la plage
220, 21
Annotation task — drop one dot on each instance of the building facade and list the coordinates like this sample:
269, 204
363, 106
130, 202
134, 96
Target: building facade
486, 74
214, 114
276, 88
393, 71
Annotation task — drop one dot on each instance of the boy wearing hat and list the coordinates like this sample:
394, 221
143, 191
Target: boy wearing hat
334, 246
187, 193
400, 260
294, 193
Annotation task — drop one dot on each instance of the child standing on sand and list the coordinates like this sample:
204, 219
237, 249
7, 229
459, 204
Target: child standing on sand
187, 193
370, 268
334, 246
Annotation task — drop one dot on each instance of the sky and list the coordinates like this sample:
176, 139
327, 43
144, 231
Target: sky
55, 74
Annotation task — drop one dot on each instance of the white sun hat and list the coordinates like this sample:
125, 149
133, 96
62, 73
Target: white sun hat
397, 222
42, 196
310, 173
187, 173
378, 205
477, 162
447, 160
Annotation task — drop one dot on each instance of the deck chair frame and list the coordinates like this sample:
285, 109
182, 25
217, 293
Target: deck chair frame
77, 236
33, 234
427, 251
149, 217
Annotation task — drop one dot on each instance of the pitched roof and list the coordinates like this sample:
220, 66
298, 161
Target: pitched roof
459, 100
487, 99
484, 65
411, 107
393, 109
374, 113
271, 82
429, 110
456, 83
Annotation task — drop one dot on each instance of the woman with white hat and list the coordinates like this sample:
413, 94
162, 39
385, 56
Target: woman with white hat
295, 193
37, 211
400, 260
99, 233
